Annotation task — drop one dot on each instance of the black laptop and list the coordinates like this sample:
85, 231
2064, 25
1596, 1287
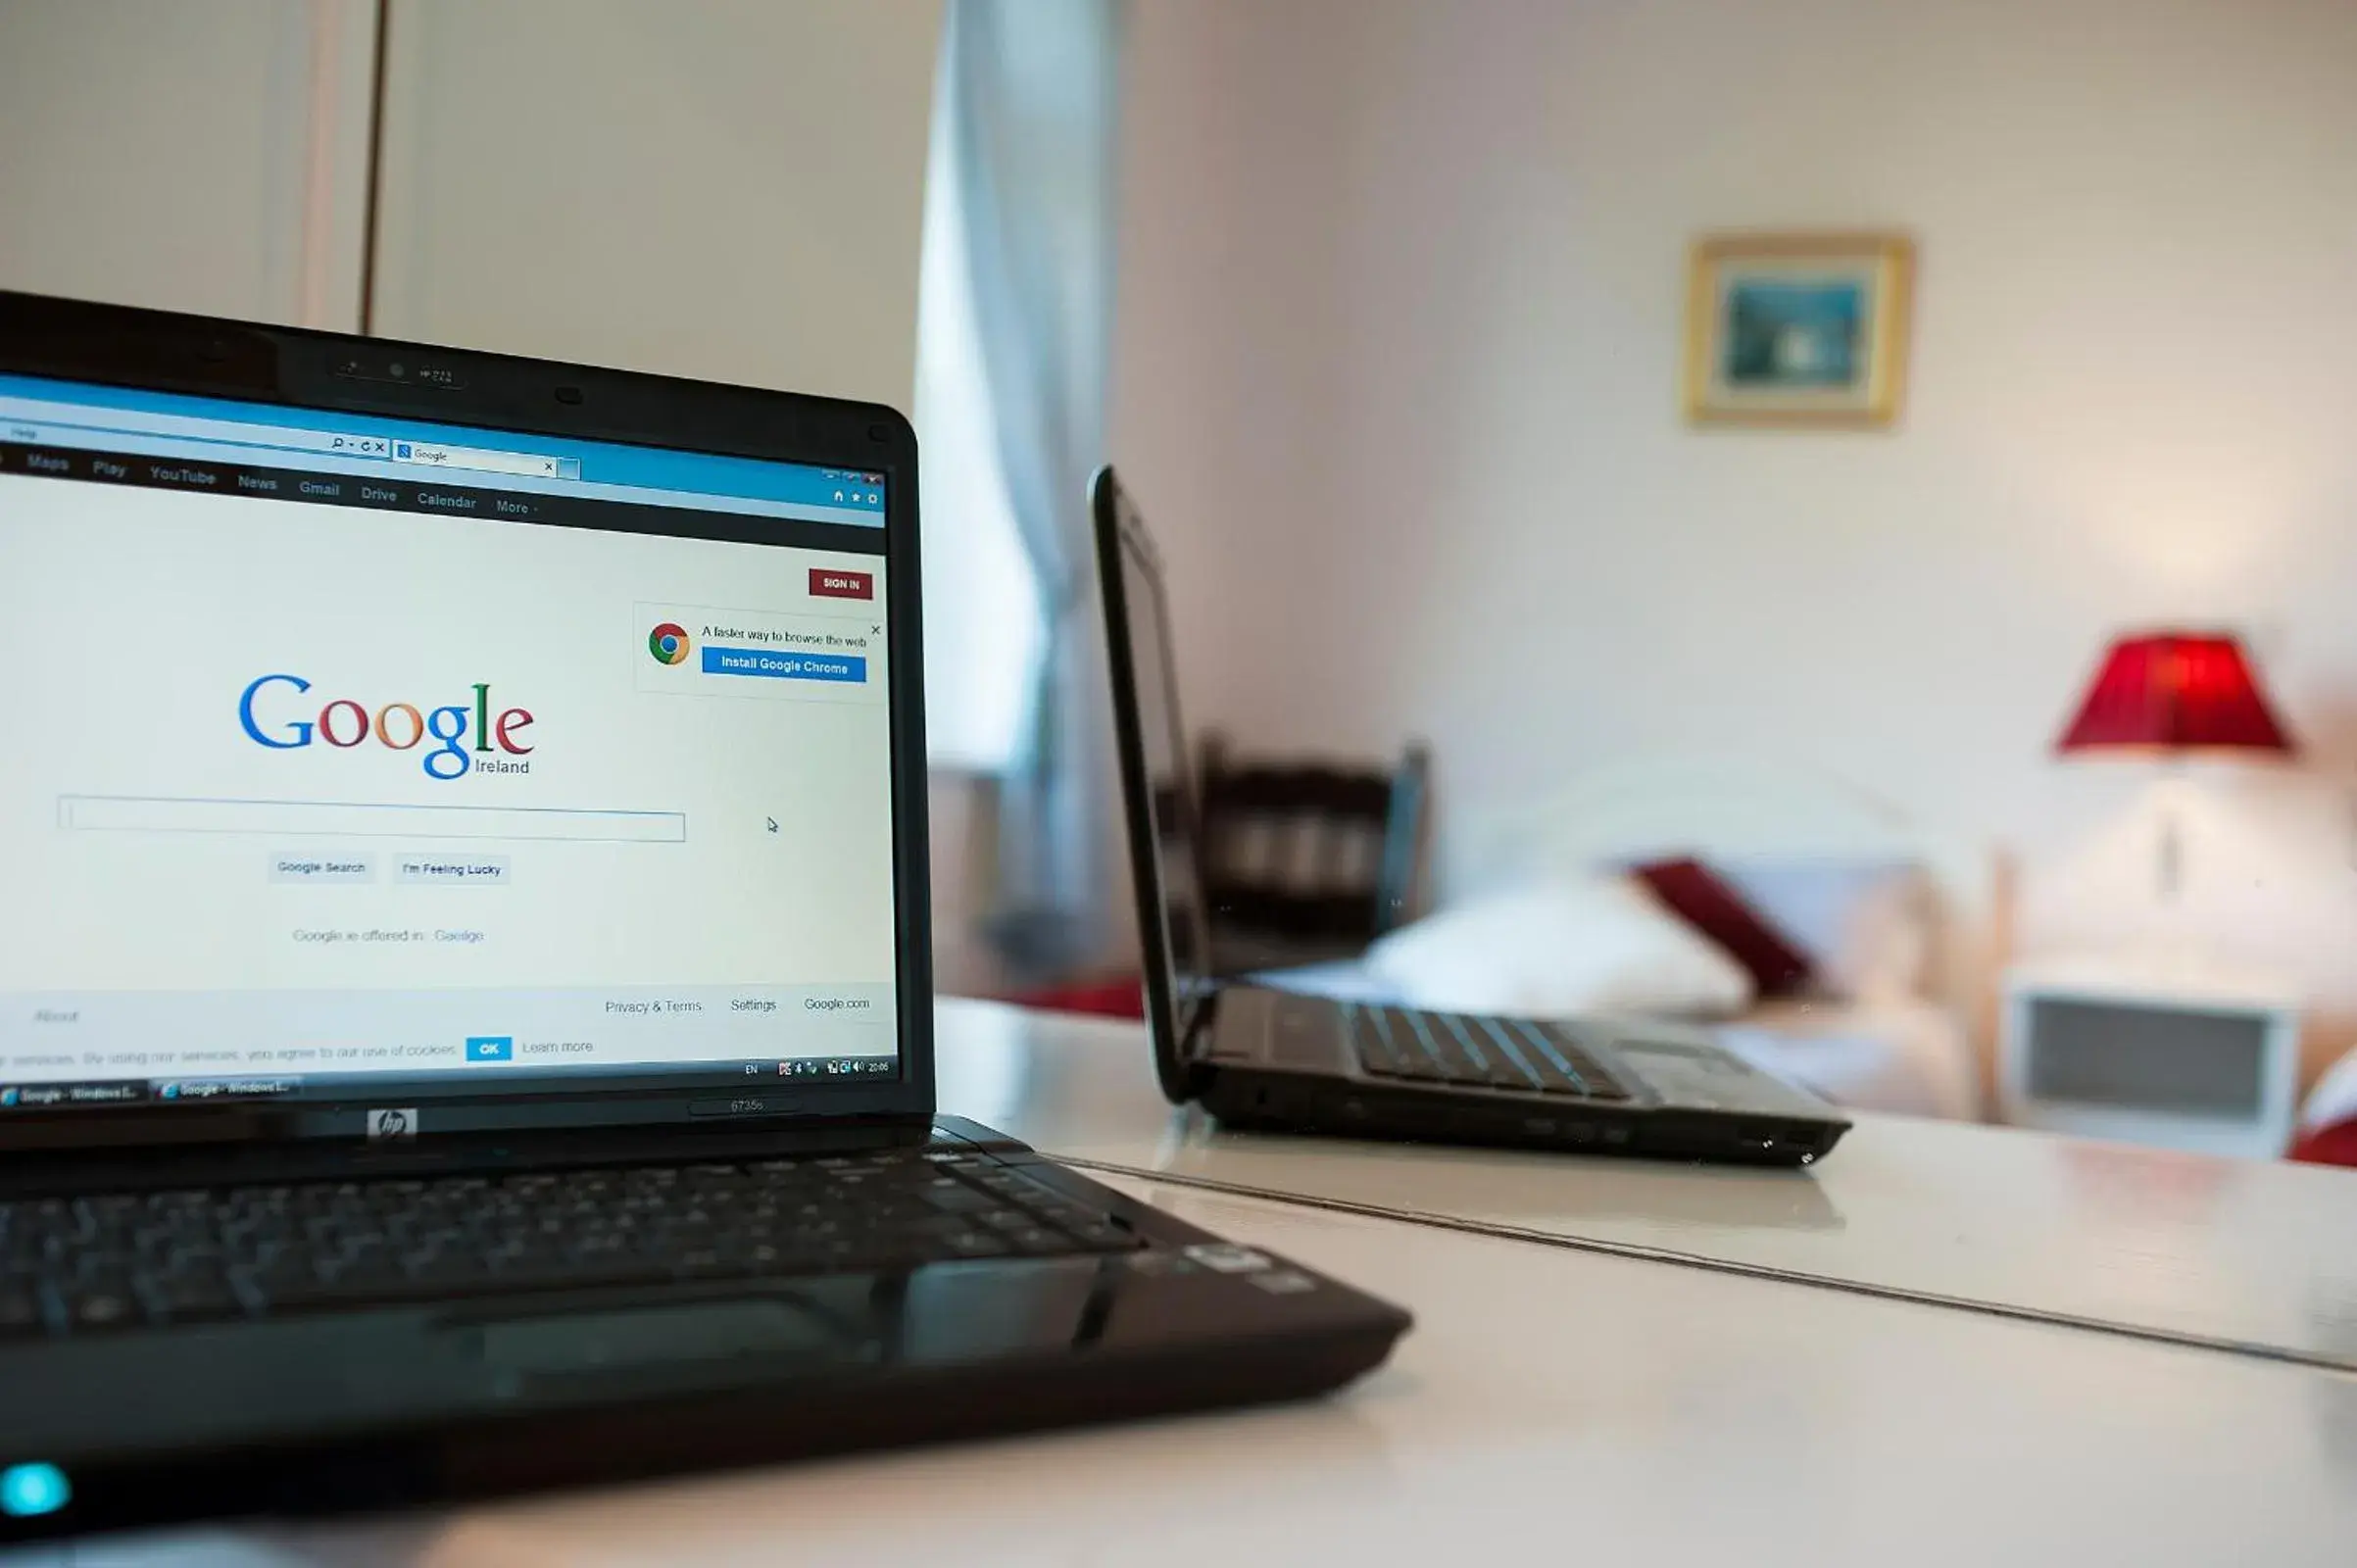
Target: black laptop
1260, 1055
465, 1018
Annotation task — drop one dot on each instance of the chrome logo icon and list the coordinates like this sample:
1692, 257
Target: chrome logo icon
669, 644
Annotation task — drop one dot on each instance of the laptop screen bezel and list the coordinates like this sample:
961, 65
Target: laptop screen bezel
1177, 1006
120, 346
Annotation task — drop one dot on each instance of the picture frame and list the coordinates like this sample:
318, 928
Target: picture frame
1799, 328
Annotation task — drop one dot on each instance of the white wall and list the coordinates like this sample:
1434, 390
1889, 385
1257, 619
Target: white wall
1401, 318
728, 189
189, 157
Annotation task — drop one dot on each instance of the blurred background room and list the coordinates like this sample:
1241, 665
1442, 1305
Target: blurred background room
1836, 519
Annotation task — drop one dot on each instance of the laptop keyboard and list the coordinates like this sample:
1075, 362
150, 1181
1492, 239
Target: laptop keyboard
84, 1265
1453, 1048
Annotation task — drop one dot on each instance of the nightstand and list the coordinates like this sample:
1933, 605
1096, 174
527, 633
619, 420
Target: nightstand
2166, 1053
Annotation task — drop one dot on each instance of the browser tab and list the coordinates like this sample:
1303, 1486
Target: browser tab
482, 460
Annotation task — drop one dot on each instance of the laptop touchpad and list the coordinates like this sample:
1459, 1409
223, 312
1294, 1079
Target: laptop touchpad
702, 1331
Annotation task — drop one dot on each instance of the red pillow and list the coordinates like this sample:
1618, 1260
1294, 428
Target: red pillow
2333, 1144
1118, 998
1697, 894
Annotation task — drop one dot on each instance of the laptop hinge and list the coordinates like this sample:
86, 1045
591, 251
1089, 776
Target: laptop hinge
148, 1166
1195, 1052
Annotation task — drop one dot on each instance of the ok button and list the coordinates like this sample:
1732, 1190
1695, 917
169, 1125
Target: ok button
490, 1047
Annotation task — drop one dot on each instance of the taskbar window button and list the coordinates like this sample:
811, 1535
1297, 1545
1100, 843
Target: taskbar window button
57, 1096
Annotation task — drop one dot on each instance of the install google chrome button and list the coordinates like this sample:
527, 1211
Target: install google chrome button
783, 666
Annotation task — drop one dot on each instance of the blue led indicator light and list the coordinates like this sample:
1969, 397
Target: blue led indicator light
29, 1490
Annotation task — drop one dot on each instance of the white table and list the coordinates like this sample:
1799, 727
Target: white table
1550, 1406
1553, 1402
2251, 1254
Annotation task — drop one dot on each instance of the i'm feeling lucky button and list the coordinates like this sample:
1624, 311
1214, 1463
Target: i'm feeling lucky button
475, 869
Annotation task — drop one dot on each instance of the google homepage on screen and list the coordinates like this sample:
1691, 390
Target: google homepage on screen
470, 770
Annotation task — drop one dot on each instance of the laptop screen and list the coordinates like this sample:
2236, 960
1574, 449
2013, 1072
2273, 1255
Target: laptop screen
354, 758
1185, 935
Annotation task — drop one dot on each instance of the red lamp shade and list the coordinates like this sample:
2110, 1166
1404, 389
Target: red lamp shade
2175, 692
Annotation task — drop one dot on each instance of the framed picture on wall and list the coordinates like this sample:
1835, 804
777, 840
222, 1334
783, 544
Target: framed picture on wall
1798, 329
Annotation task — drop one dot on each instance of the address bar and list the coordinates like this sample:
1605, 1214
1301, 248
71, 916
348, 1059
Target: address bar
39, 421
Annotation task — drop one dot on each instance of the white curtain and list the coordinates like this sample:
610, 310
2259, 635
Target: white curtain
1031, 91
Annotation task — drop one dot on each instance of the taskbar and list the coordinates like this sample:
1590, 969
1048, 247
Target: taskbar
803, 1073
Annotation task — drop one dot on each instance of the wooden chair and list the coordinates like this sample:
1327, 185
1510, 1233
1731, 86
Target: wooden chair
1305, 862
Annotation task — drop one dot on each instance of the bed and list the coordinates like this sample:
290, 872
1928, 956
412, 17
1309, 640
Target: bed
1900, 922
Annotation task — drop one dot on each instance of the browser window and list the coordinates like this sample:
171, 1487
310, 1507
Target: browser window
325, 765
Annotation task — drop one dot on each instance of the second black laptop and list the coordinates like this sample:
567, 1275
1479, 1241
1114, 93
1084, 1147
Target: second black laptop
1257, 1056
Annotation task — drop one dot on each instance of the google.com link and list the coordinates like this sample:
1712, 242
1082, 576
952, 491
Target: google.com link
835, 1003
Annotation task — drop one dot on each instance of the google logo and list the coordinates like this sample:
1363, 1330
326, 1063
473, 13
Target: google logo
397, 726
669, 643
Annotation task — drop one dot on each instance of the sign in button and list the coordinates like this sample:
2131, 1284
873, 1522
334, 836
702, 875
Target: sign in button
783, 666
832, 582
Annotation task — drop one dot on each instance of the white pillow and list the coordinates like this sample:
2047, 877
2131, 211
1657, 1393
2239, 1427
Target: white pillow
1594, 946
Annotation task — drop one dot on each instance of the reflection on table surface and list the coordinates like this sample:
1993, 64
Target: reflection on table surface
2249, 1254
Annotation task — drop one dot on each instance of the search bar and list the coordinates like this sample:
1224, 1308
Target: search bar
482, 460
157, 813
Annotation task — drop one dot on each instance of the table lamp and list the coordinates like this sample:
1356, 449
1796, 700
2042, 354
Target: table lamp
2175, 693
